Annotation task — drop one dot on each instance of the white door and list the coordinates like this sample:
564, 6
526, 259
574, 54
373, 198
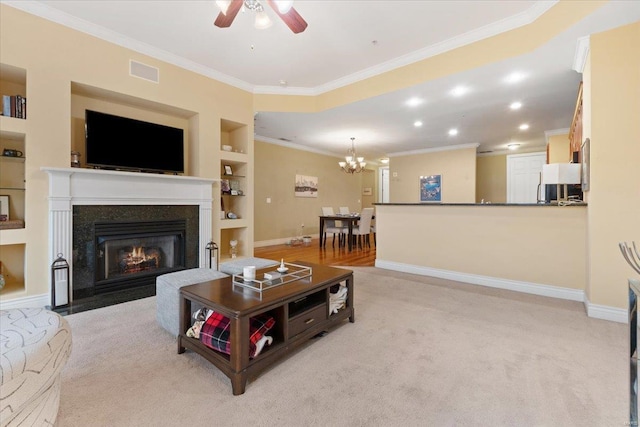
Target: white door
523, 177
383, 196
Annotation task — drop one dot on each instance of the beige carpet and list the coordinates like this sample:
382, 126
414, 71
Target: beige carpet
422, 352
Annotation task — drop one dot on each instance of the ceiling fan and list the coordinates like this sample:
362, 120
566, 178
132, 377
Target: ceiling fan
284, 9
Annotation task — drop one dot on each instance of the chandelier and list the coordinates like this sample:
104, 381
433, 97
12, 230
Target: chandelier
352, 163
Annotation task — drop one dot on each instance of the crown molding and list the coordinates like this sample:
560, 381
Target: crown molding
287, 144
582, 52
523, 18
554, 132
51, 14
434, 149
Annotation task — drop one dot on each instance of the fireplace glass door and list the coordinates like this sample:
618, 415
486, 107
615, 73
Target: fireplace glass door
129, 256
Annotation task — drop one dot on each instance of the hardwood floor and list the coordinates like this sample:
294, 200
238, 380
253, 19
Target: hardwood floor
311, 252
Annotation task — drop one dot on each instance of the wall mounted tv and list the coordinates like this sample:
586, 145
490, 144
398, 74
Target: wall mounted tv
116, 142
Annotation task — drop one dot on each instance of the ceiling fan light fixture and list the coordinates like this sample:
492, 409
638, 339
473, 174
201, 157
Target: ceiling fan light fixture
223, 5
284, 6
262, 21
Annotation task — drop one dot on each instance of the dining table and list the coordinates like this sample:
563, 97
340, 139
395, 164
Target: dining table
350, 219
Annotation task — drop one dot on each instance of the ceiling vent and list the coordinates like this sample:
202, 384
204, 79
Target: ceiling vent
284, 139
144, 71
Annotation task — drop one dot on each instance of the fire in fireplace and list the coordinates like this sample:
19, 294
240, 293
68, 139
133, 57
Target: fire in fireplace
133, 253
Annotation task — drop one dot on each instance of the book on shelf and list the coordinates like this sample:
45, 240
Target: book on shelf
6, 105
14, 106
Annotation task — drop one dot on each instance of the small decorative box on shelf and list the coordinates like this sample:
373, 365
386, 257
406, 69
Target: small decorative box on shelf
273, 278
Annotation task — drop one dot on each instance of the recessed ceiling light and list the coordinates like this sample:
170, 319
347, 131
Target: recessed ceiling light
515, 105
523, 126
384, 160
513, 146
414, 102
514, 77
453, 132
459, 91
417, 123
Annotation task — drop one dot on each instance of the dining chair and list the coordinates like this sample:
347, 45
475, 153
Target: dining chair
330, 226
344, 209
373, 230
364, 227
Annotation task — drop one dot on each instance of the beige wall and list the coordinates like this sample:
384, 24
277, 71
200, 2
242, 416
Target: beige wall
558, 146
533, 244
614, 131
491, 178
276, 167
457, 167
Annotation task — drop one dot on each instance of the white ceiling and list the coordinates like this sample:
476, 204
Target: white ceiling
349, 40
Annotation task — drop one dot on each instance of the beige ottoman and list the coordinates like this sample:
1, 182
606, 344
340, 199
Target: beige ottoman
168, 294
35, 344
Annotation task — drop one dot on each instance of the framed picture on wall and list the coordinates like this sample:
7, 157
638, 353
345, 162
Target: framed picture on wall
585, 164
306, 186
431, 188
4, 208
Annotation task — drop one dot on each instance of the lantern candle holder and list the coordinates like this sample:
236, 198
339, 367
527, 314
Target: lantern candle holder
60, 277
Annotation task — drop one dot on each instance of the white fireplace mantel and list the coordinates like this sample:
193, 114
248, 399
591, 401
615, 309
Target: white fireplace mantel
77, 186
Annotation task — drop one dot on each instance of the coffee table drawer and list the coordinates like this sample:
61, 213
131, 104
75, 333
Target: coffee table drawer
307, 319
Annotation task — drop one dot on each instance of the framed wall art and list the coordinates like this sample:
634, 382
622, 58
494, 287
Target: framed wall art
4, 208
306, 186
431, 188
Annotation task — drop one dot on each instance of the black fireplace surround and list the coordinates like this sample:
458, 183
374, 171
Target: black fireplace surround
117, 248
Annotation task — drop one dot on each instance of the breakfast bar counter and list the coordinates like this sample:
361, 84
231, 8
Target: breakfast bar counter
533, 248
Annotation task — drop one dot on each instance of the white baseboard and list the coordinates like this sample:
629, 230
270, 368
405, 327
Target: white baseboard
26, 302
282, 241
593, 310
605, 312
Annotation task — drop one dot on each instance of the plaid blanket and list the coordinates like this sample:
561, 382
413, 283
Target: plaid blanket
215, 332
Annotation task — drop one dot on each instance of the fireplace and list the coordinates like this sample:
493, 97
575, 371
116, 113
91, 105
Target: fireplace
133, 253
81, 198
120, 247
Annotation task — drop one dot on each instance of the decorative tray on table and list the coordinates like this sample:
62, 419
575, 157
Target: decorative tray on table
274, 277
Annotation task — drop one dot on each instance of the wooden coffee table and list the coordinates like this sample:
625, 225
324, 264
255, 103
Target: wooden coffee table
300, 309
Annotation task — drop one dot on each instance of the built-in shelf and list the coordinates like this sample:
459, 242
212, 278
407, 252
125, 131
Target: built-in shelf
13, 236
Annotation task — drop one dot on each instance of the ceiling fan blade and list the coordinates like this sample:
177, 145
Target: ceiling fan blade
292, 18
223, 21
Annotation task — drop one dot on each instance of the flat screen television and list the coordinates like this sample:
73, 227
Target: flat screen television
116, 142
